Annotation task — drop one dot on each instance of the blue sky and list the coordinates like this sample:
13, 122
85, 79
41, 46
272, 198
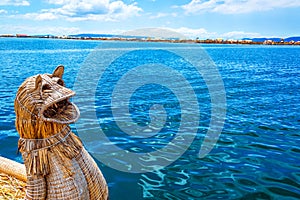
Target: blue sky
230, 19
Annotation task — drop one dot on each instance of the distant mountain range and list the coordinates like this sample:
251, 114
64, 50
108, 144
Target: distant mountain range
274, 39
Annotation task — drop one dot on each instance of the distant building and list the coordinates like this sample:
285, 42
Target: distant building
297, 43
268, 42
232, 41
247, 41
219, 40
6, 35
22, 35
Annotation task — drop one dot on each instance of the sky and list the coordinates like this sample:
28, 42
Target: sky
227, 19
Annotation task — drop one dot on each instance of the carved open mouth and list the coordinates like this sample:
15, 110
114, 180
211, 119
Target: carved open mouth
60, 111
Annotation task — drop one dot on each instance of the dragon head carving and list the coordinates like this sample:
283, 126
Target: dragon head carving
43, 106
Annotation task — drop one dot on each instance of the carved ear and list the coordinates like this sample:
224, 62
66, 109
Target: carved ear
59, 71
38, 82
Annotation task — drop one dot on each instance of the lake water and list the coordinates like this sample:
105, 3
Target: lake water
257, 156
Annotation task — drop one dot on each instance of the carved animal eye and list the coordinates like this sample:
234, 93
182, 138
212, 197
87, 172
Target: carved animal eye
46, 87
60, 82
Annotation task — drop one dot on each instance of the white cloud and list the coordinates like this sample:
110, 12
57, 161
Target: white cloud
161, 15
165, 32
80, 10
189, 33
3, 11
155, 32
59, 2
40, 16
202, 33
14, 3
239, 35
237, 6
32, 30
194, 33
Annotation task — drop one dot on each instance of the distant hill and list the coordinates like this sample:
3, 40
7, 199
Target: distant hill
273, 39
263, 39
292, 38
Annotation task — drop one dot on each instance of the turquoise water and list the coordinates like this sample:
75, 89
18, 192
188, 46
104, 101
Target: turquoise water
257, 155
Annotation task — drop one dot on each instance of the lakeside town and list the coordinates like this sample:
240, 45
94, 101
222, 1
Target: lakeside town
258, 41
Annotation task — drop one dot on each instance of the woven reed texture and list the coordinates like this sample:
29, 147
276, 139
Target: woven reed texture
12, 168
57, 164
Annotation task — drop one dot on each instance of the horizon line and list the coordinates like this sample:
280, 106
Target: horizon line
138, 36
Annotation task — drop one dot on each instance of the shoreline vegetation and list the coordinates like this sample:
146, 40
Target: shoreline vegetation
151, 39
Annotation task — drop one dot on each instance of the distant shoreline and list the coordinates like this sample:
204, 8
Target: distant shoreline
195, 41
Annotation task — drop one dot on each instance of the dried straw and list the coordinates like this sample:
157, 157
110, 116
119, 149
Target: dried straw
11, 188
12, 179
